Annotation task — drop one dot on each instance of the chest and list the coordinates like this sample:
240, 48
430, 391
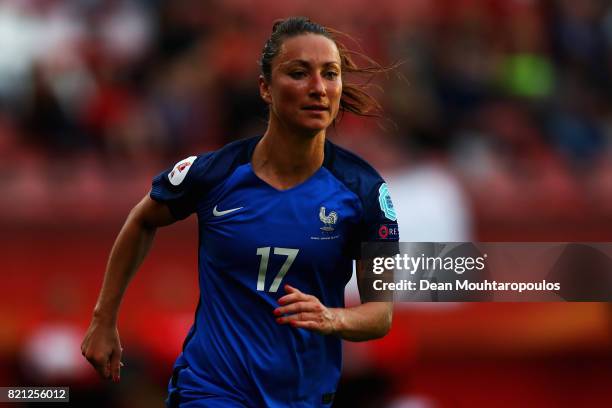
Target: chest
245, 220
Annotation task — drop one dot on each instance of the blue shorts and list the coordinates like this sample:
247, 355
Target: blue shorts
179, 397
204, 402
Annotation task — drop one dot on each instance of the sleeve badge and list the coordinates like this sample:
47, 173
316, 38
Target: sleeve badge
386, 205
180, 170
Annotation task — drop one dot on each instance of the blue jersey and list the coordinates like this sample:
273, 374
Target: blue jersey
254, 239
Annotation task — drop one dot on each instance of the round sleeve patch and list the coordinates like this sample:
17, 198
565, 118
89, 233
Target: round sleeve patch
180, 170
386, 205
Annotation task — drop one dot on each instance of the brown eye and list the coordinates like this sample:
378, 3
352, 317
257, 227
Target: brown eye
297, 74
331, 75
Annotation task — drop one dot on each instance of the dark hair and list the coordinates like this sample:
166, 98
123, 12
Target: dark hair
355, 97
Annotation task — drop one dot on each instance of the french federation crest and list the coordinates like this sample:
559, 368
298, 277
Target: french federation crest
386, 205
329, 220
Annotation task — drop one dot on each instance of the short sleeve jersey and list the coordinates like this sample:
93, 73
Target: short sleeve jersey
254, 239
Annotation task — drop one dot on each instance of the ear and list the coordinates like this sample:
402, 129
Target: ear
264, 90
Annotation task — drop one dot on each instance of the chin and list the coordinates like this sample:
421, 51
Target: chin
313, 127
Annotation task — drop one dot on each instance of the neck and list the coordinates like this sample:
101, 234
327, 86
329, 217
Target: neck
284, 158
290, 153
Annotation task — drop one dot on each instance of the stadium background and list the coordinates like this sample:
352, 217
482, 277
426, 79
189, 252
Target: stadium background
500, 131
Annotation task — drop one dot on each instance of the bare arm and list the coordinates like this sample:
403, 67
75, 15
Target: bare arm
368, 321
128, 252
101, 345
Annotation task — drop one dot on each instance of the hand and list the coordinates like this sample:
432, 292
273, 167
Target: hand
102, 348
306, 312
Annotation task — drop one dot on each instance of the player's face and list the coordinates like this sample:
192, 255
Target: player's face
306, 85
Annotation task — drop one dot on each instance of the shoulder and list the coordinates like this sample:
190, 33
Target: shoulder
356, 173
212, 167
238, 151
363, 180
181, 187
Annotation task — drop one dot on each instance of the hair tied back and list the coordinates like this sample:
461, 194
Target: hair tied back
276, 24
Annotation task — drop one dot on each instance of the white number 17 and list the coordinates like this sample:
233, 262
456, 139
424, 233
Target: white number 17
264, 252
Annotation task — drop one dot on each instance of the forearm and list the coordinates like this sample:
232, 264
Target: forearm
128, 252
367, 321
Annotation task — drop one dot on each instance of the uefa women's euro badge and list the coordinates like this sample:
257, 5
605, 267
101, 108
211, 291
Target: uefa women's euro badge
386, 205
178, 173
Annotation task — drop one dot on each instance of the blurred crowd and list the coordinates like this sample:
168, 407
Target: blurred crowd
512, 98
498, 126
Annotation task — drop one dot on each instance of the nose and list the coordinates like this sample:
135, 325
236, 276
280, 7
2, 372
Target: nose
317, 85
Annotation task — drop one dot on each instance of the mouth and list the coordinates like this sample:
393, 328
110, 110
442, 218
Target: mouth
316, 108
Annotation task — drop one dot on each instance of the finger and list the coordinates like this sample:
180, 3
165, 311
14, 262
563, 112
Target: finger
304, 316
115, 365
107, 370
103, 369
293, 297
100, 363
296, 308
291, 289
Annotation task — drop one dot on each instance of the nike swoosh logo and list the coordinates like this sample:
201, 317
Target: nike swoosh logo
220, 213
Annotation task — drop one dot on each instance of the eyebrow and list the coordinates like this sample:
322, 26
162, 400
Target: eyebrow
307, 64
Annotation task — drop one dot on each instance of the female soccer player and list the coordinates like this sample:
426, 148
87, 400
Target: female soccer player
281, 218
